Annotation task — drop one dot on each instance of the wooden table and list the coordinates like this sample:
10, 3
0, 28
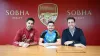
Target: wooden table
10, 50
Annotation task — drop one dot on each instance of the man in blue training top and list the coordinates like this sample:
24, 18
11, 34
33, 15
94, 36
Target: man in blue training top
50, 37
73, 36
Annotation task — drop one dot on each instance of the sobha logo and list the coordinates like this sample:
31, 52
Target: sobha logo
17, 14
47, 12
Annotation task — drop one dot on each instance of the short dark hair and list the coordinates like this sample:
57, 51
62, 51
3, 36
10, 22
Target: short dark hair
50, 22
71, 18
30, 19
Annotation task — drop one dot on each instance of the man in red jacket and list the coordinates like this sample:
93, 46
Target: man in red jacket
27, 36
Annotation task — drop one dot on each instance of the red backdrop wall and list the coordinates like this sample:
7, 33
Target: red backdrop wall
89, 23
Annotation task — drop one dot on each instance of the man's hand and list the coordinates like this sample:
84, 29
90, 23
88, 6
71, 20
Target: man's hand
79, 45
23, 44
68, 42
46, 44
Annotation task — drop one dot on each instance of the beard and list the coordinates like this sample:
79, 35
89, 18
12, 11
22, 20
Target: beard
51, 29
29, 27
72, 27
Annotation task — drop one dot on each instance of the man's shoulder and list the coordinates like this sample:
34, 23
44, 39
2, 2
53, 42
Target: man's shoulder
21, 29
55, 31
65, 30
79, 29
45, 31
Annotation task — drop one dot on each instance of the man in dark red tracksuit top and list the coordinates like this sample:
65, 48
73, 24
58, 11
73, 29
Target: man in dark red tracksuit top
27, 36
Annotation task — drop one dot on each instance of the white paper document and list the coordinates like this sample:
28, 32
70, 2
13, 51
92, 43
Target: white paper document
51, 46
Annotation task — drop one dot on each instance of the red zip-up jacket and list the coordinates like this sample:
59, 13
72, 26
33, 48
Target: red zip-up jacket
24, 35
